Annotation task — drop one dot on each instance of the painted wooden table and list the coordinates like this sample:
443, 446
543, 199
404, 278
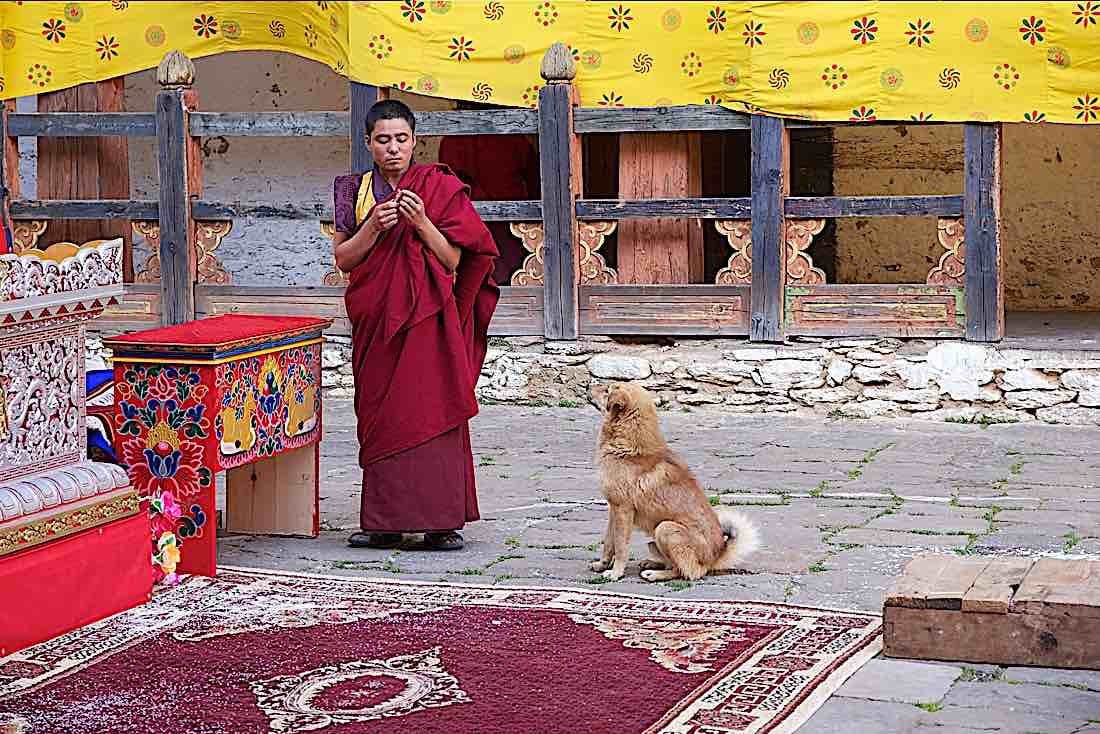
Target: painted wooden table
235, 393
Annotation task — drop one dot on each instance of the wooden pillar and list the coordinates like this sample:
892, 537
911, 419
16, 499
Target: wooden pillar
68, 168
175, 75
560, 164
114, 172
9, 174
660, 166
770, 184
985, 313
86, 167
360, 99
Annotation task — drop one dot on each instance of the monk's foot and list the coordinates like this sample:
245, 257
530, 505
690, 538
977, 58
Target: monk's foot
375, 540
445, 541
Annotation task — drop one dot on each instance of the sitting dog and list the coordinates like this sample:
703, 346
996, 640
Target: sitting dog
650, 488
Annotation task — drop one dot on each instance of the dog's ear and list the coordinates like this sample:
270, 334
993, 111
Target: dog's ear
616, 403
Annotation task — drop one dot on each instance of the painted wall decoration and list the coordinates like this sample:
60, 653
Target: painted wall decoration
837, 61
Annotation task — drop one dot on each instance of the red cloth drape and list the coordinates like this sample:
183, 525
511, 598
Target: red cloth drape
496, 167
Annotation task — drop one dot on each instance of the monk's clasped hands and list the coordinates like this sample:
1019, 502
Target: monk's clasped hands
411, 207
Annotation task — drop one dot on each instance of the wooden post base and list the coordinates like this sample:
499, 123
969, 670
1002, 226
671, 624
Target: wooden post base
1005, 611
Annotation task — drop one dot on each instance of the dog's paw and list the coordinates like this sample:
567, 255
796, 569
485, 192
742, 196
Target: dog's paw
654, 574
599, 566
651, 565
612, 575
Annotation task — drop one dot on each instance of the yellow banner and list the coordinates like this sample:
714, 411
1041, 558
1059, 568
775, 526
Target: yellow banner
940, 61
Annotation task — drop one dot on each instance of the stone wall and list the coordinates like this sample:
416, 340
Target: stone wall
844, 378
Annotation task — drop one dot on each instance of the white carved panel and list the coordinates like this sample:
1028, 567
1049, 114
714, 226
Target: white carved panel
43, 378
35, 286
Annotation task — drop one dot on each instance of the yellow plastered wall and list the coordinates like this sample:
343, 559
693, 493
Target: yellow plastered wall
1051, 175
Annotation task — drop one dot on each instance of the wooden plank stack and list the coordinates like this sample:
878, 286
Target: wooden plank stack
1007, 611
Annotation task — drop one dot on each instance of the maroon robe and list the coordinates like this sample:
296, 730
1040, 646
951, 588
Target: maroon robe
419, 338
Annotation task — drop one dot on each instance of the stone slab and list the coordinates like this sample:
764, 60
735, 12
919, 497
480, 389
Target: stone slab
900, 681
1079, 679
889, 538
848, 716
1051, 709
937, 525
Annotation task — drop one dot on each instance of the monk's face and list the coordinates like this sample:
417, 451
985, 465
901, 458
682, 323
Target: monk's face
391, 143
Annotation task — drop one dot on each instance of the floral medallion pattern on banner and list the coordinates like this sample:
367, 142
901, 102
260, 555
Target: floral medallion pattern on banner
951, 62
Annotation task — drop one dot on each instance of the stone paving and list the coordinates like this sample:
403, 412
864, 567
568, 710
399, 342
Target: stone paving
842, 504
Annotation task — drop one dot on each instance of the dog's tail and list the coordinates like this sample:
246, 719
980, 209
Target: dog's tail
742, 538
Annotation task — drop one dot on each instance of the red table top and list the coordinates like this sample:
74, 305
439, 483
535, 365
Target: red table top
218, 334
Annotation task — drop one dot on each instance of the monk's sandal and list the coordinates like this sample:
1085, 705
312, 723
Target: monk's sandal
444, 541
375, 540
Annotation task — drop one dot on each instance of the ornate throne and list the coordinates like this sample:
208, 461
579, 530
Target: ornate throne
74, 535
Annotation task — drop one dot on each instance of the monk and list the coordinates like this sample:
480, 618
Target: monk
496, 168
419, 298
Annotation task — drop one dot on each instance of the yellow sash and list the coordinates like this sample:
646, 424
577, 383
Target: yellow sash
365, 200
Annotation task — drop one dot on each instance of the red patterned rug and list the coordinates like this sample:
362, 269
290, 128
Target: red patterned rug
262, 651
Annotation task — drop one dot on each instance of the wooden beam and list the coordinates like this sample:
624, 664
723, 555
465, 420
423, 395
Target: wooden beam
83, 124
1010, 611
506, 211
824, 207
700, 208
675, 310
509, 211
490, 211
324, 124
83, 209
908, 311
270, 124
658, 119
559, 153
982, 217
361, 97
477, 122
221, 210
692, 117
177, 252
770, 183
798, 207
519, 312
443, 122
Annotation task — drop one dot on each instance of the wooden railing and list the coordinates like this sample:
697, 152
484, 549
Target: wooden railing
769, 290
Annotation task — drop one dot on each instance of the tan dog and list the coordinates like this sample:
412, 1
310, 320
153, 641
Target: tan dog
648, 487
